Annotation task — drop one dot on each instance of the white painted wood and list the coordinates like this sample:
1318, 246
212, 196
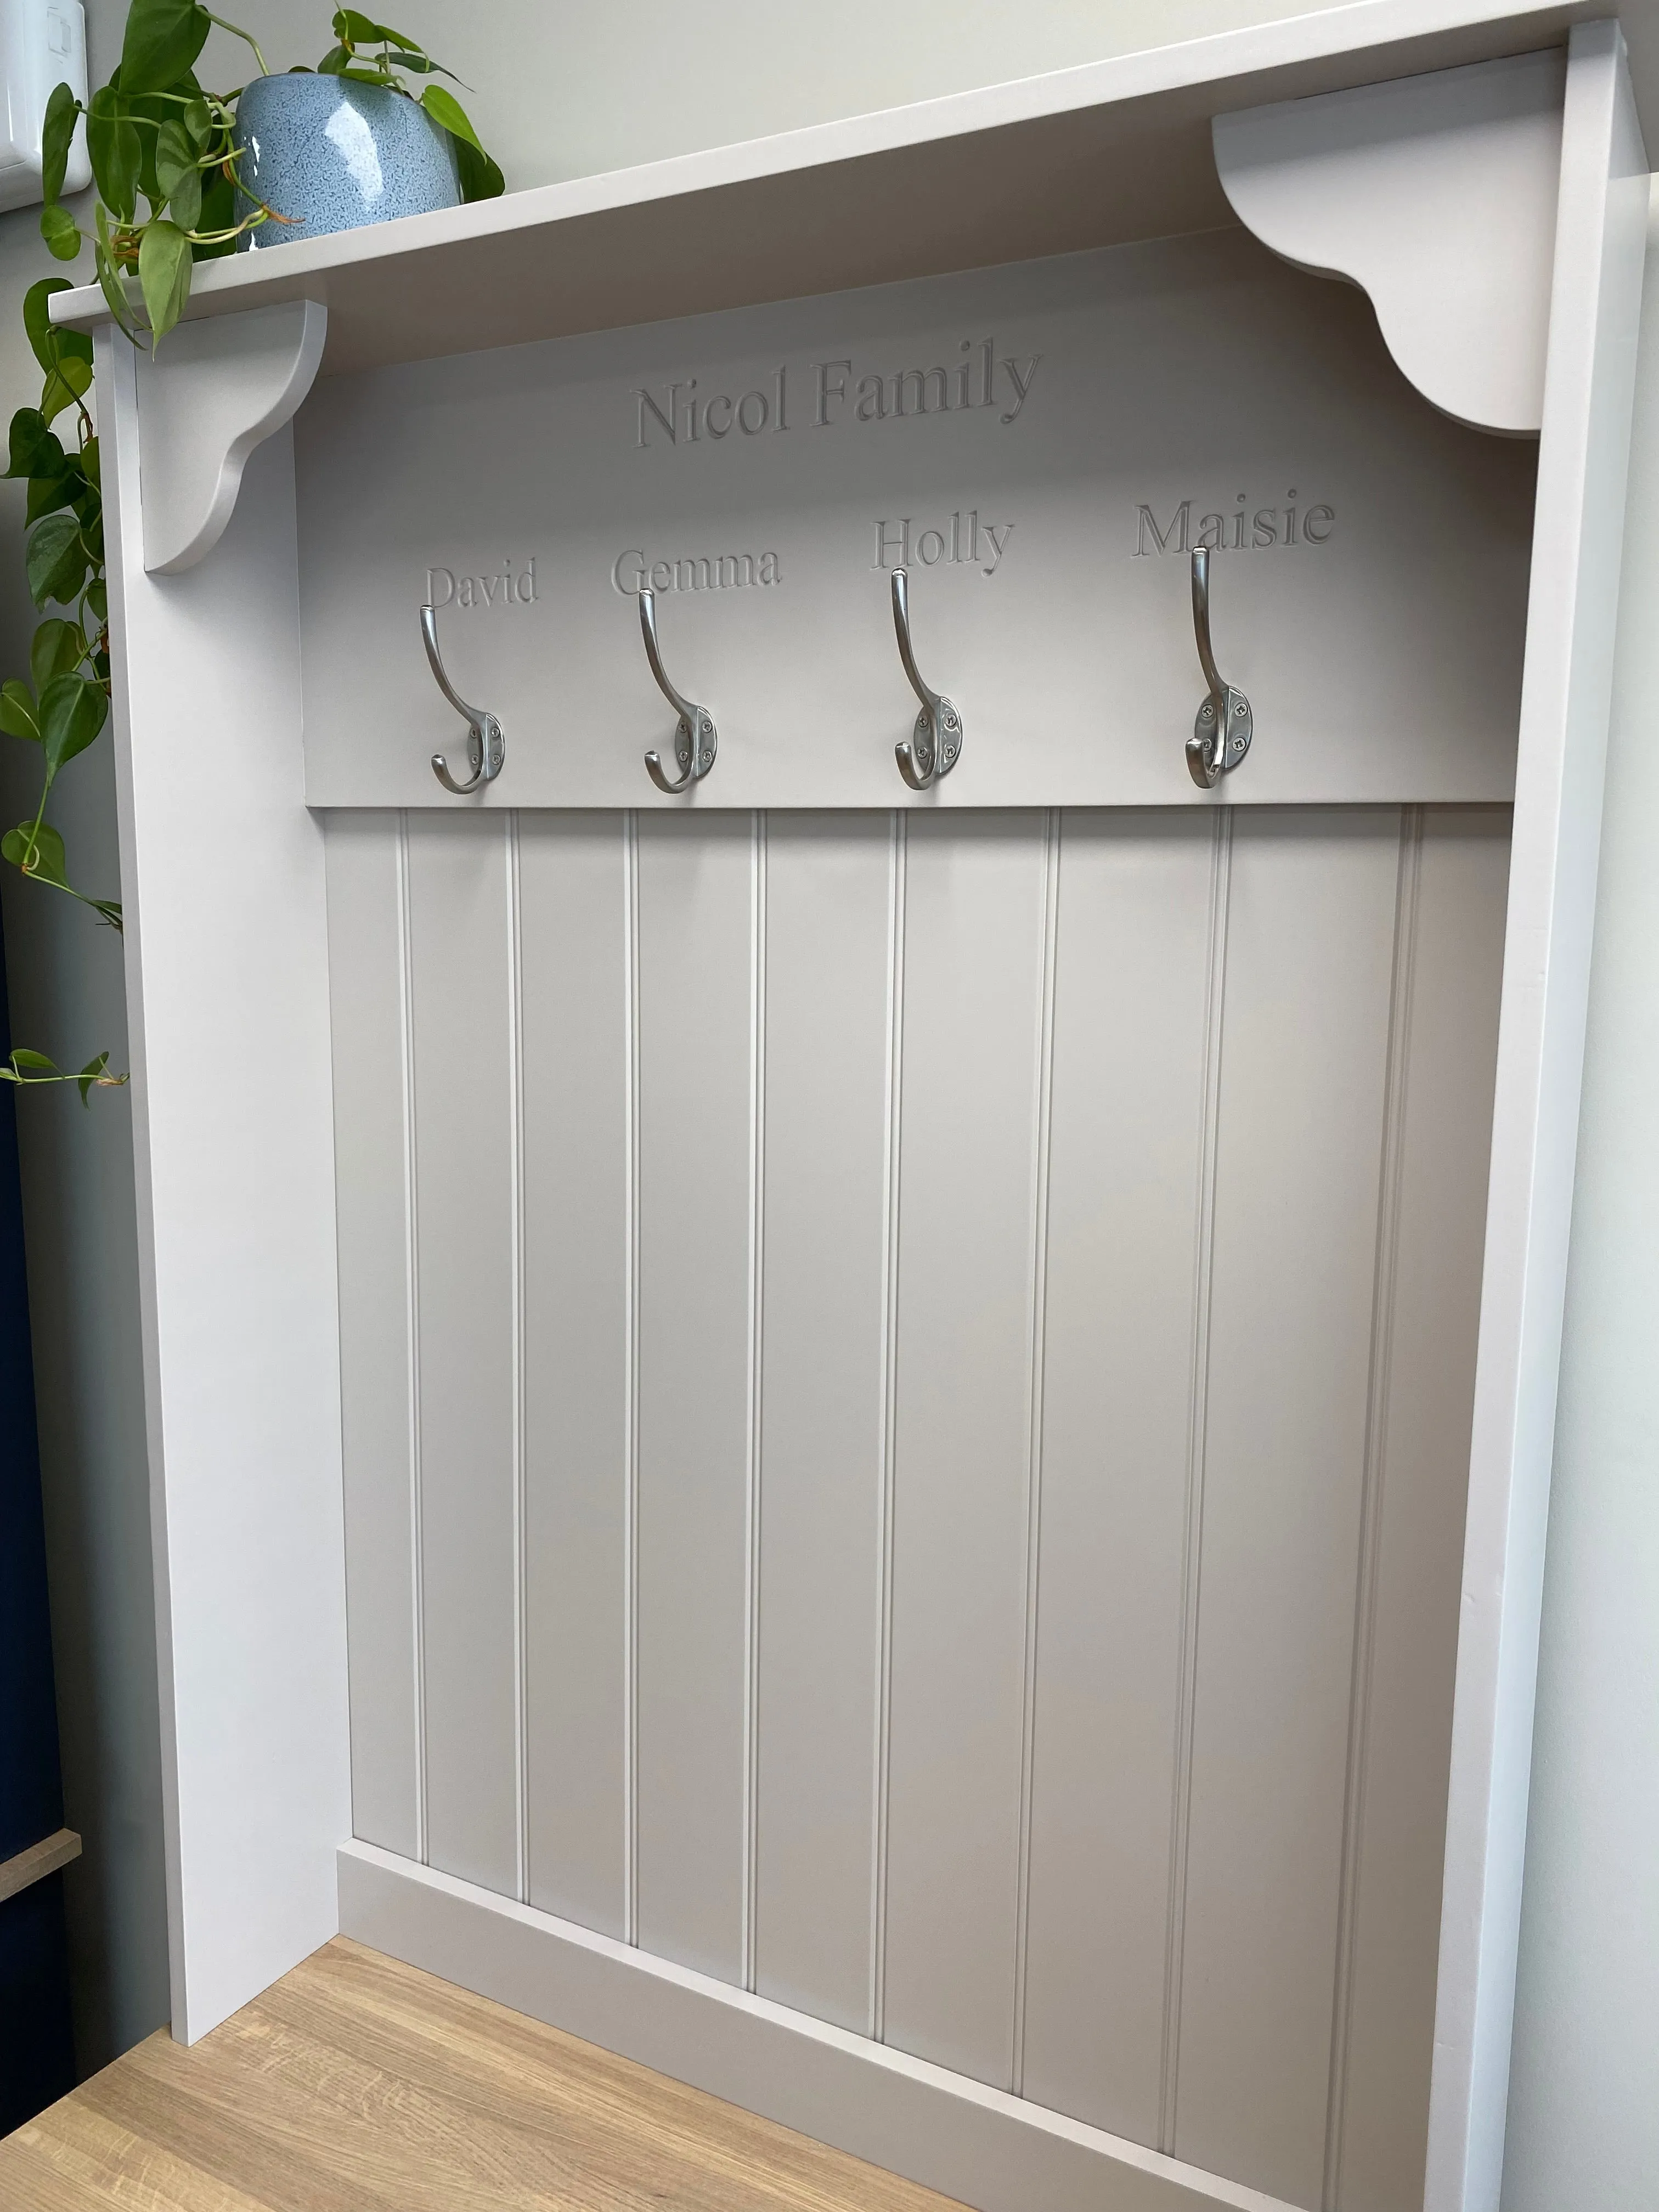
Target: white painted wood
1437, 195
975, 2143
1303, 1554
462, 994
369, 1006
695, 1031
822, 1420
1369, 594
1450, 951
573, 936
234, 1164
1072, 158
973, 1024
1583, 458
1132, 1025
1304, 1040
205, 401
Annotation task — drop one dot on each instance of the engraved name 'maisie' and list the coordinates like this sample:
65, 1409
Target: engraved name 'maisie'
1226, 533
828, 394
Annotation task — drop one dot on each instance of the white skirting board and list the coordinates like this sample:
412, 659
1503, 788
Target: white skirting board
981, 2145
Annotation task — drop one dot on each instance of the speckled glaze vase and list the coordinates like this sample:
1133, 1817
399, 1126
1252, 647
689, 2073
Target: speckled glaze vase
334, 155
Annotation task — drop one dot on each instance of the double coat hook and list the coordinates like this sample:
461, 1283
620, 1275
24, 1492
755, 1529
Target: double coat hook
696, 738
1221, 733
486, 748
934, 746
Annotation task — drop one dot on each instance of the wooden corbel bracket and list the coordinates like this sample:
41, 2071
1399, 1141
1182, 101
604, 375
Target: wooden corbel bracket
1437, 195
218, 388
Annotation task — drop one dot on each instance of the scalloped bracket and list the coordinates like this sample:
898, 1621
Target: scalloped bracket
1436, 196
220, 387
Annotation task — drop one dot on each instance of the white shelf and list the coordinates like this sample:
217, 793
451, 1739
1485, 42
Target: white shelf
1082, 157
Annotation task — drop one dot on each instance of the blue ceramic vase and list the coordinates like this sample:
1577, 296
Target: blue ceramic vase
334, 155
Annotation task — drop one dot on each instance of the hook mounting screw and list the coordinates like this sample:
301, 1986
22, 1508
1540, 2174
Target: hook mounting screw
1223, 725
934, 746
696, 740
486, 748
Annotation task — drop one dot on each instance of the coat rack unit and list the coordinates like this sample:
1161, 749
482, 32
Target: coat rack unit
696, 1389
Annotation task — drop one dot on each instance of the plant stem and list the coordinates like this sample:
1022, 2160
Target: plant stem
247, 37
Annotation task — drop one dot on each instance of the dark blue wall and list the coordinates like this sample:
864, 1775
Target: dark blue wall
37, 2054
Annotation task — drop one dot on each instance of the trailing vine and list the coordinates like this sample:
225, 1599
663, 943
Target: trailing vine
155, 136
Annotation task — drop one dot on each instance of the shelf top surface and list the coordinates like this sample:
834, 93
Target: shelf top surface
1087, 156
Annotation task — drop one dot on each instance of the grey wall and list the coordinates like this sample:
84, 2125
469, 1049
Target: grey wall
567, 90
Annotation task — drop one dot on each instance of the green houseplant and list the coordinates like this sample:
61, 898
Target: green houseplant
165, 162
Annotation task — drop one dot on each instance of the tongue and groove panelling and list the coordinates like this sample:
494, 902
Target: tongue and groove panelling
906, 1392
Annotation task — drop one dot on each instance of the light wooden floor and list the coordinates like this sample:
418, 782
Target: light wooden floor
358, 2085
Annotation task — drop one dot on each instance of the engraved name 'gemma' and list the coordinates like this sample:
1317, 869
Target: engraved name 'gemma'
1226, 534
631, 571
445, 588
835, 391
963, 538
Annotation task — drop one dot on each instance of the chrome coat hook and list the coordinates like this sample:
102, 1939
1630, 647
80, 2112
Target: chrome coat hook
486, 748
696, 738
935, 745
1221, 733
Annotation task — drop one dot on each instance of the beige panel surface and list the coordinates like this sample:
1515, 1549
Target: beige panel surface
1304, 1054
973, 987
573, 931
465, 1093
1212, 1752
1365, 546
696, 1038
1434, 1225
827, 966
367, 974
1128, 1148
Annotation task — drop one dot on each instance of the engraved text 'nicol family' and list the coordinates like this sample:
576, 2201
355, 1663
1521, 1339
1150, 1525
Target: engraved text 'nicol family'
829, 393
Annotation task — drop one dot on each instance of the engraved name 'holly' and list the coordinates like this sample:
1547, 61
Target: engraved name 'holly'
825, 395
1240, 532
962, 539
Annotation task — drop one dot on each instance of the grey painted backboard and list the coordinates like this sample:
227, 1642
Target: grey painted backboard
1040, 444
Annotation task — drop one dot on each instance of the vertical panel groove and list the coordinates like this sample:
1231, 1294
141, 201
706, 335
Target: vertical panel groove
1376, 1413
752, 1492
1192, 1549
630, 828
412, 1293
515, 1108
1044, 1109
895, 1071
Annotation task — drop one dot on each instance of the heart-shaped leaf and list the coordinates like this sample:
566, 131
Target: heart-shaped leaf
18, 715
164, 274
73, 710
50, 344
63, 110
38, 850
117, 156
55, 649
163, 38
35, 450
56, 560
65, 384
60, 230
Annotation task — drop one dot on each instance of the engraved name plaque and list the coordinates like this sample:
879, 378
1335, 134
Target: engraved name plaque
1041, 446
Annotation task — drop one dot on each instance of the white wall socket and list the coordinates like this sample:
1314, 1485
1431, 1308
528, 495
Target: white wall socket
42, 43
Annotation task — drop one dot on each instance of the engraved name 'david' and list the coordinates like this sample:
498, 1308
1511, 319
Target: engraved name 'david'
825, 395
503, 588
